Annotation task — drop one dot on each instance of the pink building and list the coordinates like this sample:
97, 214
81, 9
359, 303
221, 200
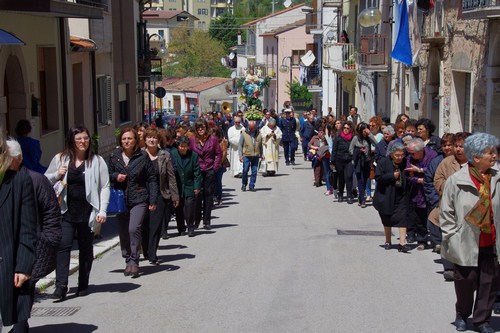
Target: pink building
285, 45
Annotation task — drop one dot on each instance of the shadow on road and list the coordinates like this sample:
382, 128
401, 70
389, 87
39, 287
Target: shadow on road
66, 327
107, 288
150, 269
172, 246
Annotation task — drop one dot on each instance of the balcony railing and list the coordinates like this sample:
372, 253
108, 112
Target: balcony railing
433, 25
339, 57
372, 50
60, 8
246, 50
480, 9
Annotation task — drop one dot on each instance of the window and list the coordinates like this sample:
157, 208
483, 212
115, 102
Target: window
49, 96
104, 110
462, 82
296, 55
202, 11
123, 104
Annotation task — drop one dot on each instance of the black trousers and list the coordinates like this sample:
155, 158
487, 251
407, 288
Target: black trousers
184, 213
483, 280
205, 200
417, 224
152, 228
344, 174
85, 256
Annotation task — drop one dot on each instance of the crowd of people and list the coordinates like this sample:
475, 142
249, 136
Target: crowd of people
441, 193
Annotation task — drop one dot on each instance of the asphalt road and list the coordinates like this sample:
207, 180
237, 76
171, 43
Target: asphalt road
285, 258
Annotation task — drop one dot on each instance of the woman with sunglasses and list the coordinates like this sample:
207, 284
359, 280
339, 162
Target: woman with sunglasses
209, 153
340, 160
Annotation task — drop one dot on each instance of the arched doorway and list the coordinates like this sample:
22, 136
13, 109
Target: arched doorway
14, 95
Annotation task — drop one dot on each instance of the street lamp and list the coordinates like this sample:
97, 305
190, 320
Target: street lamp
284, 68
370, 17
150, 55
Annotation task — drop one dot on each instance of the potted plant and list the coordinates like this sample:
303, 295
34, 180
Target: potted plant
350, 63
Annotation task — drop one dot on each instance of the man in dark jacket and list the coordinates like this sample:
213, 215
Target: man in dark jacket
17, 240
289, 140
306, 133
48, 229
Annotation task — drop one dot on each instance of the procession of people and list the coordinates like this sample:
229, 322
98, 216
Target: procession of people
441, 194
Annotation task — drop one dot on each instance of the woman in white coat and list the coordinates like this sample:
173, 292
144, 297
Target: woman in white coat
84, 200
470, 213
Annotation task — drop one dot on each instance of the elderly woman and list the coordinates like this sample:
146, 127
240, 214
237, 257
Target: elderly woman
470, 209
271, 138
132, 171
418, 159
391, 195
84, 202
381, 147
188, 175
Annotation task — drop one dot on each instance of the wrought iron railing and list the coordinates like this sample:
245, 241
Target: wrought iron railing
372, 50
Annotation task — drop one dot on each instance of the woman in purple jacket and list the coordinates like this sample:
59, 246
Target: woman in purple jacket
209, 153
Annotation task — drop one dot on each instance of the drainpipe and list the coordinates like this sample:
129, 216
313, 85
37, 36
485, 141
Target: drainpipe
94, 95
64, 74
277, 74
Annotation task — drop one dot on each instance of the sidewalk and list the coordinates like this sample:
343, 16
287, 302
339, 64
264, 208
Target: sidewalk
109, 239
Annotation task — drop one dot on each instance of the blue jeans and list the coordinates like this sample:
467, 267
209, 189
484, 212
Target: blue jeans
253, 162
218, 182
362, 177
326, 172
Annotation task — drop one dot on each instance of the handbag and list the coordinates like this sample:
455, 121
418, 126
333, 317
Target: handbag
59, 187
116, 202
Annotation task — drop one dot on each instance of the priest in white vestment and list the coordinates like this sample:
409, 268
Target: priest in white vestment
233, 135
271, 138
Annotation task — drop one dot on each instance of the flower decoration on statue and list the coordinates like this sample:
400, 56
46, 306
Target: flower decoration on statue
251, 87
253, 113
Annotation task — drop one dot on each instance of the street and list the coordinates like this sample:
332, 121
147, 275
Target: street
285, 258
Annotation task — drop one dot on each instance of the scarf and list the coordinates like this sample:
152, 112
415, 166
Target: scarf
348, 137
479, 215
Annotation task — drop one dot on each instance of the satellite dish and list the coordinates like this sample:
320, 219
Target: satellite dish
232, 55
308, 58
330, 35
287, 3
233, 75
223, 61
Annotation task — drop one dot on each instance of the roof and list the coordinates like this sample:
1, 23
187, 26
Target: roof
272, 15
285, 28
193, 84
165, 14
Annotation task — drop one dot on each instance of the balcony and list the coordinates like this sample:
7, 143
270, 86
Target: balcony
480, 9
246, 50
433, 26
219, 4
372, 50
58, 8
313, 24
314, 77
339, 57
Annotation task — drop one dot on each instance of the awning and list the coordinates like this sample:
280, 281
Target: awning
80, 44
6, 38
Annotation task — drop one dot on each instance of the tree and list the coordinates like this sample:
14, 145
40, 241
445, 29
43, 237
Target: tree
225, 30
300, 92
195, 53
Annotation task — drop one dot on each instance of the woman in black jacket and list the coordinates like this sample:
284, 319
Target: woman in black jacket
391, 198
131, 170
342, 162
